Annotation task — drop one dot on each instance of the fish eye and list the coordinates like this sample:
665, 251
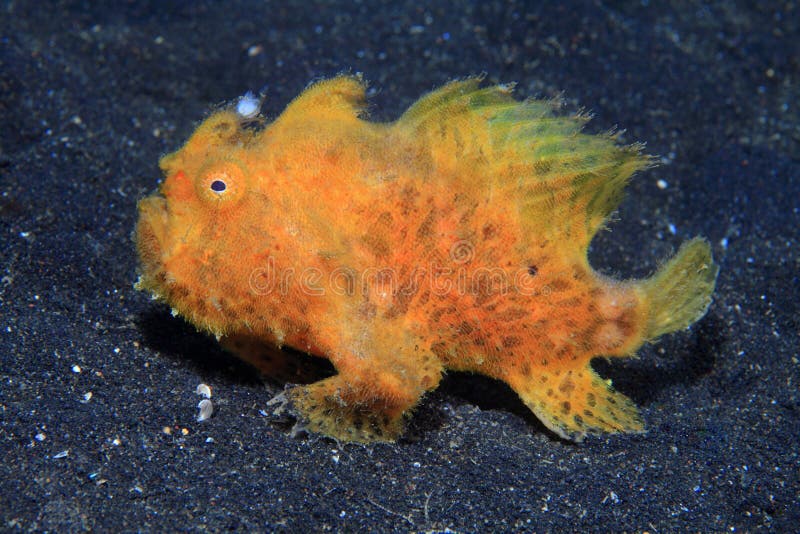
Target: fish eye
218, 186
222, 183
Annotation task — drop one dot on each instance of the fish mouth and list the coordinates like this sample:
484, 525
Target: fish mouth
150, 236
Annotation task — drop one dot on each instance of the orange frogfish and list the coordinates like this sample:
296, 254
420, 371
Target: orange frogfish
454, 238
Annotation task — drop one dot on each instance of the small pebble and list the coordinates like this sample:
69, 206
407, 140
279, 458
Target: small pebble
206, 410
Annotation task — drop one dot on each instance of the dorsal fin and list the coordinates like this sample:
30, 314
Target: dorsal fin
341, 98
562, 182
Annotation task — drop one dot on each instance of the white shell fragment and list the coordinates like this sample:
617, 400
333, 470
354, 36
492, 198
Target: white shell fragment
204, 390
248, 106
206, 408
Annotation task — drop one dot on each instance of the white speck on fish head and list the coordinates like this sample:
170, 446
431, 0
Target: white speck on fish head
248, 106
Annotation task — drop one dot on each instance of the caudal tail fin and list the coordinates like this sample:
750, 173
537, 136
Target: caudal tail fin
679, 293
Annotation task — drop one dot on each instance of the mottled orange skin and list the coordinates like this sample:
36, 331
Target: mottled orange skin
453, 238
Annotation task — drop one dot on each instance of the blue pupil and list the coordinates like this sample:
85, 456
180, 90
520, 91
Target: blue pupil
218, 186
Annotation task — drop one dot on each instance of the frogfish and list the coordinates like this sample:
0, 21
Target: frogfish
453, 238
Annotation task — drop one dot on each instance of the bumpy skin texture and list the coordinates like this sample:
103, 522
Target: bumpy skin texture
453, 238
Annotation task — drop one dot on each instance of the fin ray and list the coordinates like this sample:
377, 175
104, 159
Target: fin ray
341, 98
680, 292
526, 152
578, 402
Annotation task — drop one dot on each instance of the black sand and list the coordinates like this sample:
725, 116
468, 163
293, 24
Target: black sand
92, 372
